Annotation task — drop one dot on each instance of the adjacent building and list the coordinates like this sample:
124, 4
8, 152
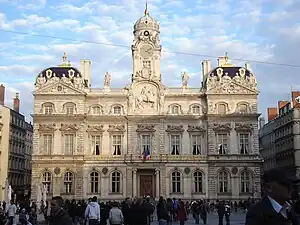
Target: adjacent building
279, 138
13, 145
146, 138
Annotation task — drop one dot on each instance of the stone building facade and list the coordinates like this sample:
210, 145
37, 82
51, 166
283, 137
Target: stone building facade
279, 142
13, 148
202, 142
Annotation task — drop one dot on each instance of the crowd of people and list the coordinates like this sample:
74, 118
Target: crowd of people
279, 206
129, 212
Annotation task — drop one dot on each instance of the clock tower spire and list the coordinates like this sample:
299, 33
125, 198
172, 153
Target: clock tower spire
146, 49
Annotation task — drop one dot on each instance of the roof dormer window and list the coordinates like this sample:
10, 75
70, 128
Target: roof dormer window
175, 109
117, 110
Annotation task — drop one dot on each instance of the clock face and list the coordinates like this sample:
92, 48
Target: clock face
146, 33
146, 51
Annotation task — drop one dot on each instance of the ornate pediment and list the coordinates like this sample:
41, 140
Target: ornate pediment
244, 127
226, 85
59, 87
68, 127
116, 128
95, 129
175, 128
145, 128
222, 127
195, 128
47, 127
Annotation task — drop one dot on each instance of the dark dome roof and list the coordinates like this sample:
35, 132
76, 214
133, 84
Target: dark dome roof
61, 72
230, 71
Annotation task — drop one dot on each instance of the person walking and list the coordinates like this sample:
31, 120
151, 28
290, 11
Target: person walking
92, 212
11, 211
115, 215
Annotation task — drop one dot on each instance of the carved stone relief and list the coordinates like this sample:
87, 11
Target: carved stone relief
145, 128
244, 127
238, 84
222, 126
95, 129
175, 128
143, 98
195, 128
47, 127
68, 127
116, 128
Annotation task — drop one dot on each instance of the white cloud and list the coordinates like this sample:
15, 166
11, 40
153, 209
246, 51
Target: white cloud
262, 30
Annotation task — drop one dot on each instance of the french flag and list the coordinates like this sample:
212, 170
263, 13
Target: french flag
146, 154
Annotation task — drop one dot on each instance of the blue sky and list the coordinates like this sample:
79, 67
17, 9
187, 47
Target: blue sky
256, 30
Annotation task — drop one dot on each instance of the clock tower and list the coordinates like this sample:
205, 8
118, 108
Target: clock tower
146, 50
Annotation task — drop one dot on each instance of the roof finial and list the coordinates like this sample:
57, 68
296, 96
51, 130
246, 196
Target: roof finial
226, 57
64, 57
146, 9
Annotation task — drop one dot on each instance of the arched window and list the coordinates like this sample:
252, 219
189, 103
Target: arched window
96, 110
223, 182
69, 108
94, 179
117, 110
242, 108
48, 108
221, 108
46, 180
245, 181
198, 182
195, 109
176, 182
68, 182
116, 182
175, 109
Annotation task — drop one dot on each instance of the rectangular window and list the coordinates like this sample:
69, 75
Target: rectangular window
48, 141
244, 143
196, 144
222, 143
96, 144
116, 144
146, 143
69, 143
175, 144
68, 187
70, 110
48, 109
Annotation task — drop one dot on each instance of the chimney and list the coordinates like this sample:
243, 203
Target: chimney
296, 99
262, 122
281, 104
272, 113
85, 69
206, 68
17, 103
2, 94
221, 61
247, 66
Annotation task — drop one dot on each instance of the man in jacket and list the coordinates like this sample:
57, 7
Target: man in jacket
58, 216
274, 208
92, 212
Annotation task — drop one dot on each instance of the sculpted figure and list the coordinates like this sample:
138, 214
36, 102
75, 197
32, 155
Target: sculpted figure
185, 78
107, 79
65, 79
78, 83
40, 81
146, 70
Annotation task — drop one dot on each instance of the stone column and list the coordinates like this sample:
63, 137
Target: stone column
134, 193
157, 184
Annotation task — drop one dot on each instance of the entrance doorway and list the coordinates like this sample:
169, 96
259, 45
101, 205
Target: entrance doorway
146, 185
